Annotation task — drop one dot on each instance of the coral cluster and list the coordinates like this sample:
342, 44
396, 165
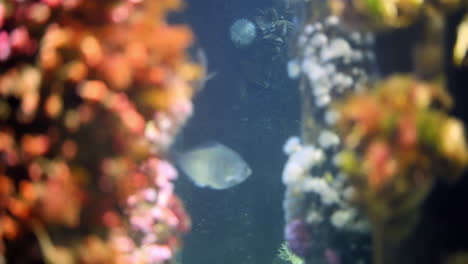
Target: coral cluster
330, 62
395, 137
92, 94
398, 140
155, 214
378, 14
332, 59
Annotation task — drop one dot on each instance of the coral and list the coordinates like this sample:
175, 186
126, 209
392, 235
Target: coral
330, 61
460, 48
457, 258
92, 94
298, 238
385, 14
397, 141
386, 142
334, 60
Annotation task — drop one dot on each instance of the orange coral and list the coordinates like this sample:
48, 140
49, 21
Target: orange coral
398, 140
381, 166
407, 133
74, 108
35, 145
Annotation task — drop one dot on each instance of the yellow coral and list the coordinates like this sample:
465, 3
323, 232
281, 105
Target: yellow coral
461, 46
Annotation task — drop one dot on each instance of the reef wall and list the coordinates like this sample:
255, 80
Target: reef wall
92, 94
372, 144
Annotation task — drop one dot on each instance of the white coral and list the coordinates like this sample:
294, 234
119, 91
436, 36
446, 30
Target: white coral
321, 187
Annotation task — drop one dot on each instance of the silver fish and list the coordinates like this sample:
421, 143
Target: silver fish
214, 165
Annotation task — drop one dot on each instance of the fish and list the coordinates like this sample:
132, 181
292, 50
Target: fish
214, 165
200, 57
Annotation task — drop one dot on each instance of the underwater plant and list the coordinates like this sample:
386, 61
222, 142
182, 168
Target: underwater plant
92, 94
284, 253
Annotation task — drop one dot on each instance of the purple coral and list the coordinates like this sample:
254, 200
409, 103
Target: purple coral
298, 237
331, 257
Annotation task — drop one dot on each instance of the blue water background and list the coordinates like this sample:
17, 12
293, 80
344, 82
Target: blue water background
244, 224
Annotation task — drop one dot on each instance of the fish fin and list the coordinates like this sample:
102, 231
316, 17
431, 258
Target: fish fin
231, 179
210, 75
199, 56
201, 185
206, 144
